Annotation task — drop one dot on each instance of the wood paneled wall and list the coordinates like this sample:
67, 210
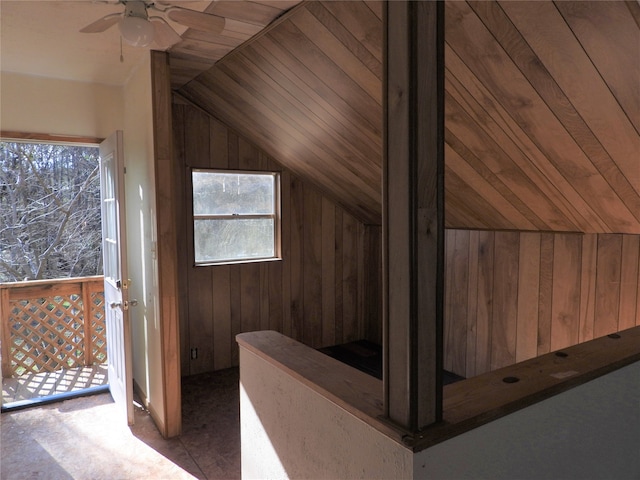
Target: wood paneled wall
308, 91
541, 101
511, 296
325, 291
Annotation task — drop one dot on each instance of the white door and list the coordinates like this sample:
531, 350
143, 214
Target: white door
114, 253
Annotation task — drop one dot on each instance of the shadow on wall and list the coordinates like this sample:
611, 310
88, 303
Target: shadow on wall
293, 432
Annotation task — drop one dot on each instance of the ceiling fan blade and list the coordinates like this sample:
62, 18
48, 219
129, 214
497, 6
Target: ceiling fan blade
103, 24
197, 20
165, 35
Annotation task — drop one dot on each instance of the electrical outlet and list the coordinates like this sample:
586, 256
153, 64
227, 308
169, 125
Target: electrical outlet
194, 353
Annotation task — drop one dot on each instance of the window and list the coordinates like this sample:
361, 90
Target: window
236, 216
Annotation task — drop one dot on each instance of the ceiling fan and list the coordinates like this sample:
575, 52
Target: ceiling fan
140, 29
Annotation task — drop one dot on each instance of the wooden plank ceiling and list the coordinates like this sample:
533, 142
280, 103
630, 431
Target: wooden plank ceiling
542, 108
200, 50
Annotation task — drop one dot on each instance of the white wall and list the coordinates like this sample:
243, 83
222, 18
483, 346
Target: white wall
290, 431
141, 236
589, 432
61, 107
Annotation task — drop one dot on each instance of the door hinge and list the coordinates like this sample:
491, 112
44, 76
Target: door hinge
194, 353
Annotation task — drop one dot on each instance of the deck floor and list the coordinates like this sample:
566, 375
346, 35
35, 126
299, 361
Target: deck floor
35, 385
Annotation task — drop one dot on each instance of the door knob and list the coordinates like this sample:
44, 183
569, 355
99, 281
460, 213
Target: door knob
130, 303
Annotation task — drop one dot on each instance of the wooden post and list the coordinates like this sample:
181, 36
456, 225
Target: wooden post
413, 212
86, 319
5, 332
166, 201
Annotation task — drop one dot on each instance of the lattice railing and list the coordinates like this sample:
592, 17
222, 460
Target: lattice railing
45, 326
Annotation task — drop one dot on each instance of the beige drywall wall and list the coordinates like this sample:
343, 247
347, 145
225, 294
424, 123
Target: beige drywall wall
290, 431
589, 432
50, 106
141, 237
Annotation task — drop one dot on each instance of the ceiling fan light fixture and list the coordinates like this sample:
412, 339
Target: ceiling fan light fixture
136, 31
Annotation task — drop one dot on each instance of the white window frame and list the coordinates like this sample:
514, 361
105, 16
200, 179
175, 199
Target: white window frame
275, 217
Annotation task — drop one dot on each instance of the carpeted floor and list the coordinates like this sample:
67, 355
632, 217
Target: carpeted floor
83, 439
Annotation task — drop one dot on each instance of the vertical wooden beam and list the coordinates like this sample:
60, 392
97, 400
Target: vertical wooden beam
413, 211
166, 200
5, 332
87, 319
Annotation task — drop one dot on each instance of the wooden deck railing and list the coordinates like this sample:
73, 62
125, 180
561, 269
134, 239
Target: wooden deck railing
48, 325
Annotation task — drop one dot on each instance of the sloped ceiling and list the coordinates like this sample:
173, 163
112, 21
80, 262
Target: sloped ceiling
199, 49
542, 109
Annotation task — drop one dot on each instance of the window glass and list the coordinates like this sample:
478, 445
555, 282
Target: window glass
232, 193
235, 216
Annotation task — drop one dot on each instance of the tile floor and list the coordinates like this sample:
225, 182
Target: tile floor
78, 439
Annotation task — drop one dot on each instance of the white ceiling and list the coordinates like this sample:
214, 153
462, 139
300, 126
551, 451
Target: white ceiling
42, 38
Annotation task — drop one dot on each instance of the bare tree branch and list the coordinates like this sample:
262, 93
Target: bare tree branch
49, 211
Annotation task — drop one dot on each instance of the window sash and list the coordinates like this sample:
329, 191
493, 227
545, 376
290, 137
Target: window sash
234, 216
273, 217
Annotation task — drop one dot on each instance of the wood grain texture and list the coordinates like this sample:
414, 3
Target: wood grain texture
455, 332
221, 321
472, 308
588, 287
312, 266
198, 283
605, 132
314, 294
167, 192
350, 232
5, 346
183, 248
371, 282
627, 312
505, 299
546, 293
487, 397
609, 265
565, 308
235, 298
559, 290
297, 258
313, 86
473, 40
413, 226
528, 291
485, 301
199, 50
542, 102
328, 274
541, 135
